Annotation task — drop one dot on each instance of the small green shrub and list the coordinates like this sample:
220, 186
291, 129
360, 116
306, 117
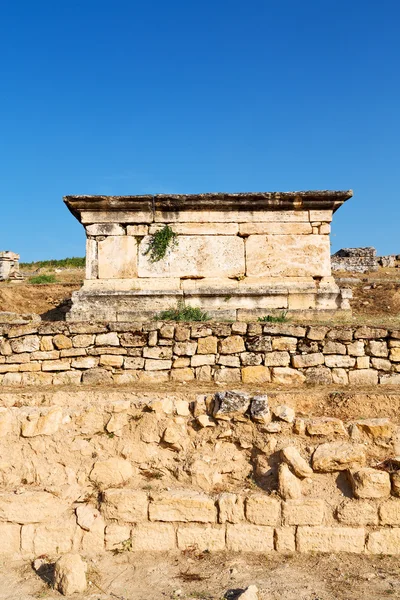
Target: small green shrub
74, 262
160, 242
282, 318
182, 313
38, 279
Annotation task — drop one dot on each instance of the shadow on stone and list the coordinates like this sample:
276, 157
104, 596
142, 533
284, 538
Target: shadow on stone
45, 571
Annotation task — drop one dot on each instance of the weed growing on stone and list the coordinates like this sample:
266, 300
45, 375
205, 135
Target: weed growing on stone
160, 242
182, 313
40, 279
282, 318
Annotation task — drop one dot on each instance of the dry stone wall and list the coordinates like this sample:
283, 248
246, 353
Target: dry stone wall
98, 472
285, 354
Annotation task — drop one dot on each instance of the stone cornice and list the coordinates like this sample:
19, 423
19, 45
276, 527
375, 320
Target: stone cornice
246, 201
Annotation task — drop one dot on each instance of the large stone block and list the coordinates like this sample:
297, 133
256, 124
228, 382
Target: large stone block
117, 256
263, 510
196, 256
229, 216
330, 539
182, 505
249, 538
30, 507
275, 228
384, 541
153, 537
201, 537
125, 505
303, 512
10, 536
337, 456
357, 512
288, 256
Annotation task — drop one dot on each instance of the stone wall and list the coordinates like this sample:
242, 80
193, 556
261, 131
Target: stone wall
359, 260
284, 354
120, 472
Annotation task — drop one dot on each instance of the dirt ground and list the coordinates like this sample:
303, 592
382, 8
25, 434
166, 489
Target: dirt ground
376, 298
193, 576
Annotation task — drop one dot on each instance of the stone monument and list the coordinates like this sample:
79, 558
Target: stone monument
9, 266
236, 256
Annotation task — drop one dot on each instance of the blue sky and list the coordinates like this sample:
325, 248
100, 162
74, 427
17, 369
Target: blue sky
178, 96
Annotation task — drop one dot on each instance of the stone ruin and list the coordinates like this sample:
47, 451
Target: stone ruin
9, 266
234, 256
359, 260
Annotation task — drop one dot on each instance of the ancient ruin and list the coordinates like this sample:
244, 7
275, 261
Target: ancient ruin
9, 266
356, 260
233, 255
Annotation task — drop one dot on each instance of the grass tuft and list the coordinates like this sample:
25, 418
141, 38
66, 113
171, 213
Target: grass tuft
39, 279
282, 318
182, 313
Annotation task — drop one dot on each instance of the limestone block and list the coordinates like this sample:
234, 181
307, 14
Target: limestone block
384, 541
331, 347
116, 535
356, 348
275, 228
363, 377
157, 365
44, 422
157, 352
185, 348
285, 539
337, 456
200, 228
389, 512
125, 505
86, 362
381, 364
202, 359
362, 362
320, 215
330, 539
70, 574
196, 256
307, 511
232, 345
259, 343
107, 339
296, 462
62, 342
390, 379
153, 537
287, 256
28, 343
46, 343
154, 376
357, 512
82, 340
56, 365
230, 507
284, 413
231, 216
86, 516
277, 359
230, 404
105, 229
112, 472
54, 537
184, 361
96, 377
339, 361
287, 376
118, 257
259, 409
137, 230
256, 374
110, 360
376, 348
325, 426
250, 593
30, 507
10, 536
182, 505
301, 361
204, 538
207, 345
376, 428
395, 354
284, 343
37, 379
395, 479
249, 538
288, 485
6, 421
263, 510
340, 376
125, 216
182, 375
368, 333
250, 359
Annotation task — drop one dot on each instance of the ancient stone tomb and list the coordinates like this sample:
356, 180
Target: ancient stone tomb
234, 255
9, 266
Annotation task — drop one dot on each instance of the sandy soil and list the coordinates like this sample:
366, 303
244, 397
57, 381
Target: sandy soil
193, 576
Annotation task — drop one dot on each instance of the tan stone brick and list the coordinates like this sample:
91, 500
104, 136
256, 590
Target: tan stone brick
181, 362
305, 511
376, 348
370, 483
12, 379
337, 456
357, 512
185, 348
62, 342
356, 348
277, 359
111, 472
389, 512
199, 360
325, 426
10, 538
153, 537
231, 345
157, 365
110, 360
55, 537
362, 362
203, 373
227, 375
340, 376
56, 365
381, 364
125, 505
249, 538
85, 362
331, 347
46, 343
257, 374
67, 378
116, 535
154, 376
338, 360
390, 379
228, 360
395, 354
182, 505
37, 379
207, 345
107, 339
376, 428
317, 332
330, 539
384, 541
83, 340
93, 540
284, 343
182, 374
287, 376
263, 510
28, 343
202, 537
363, 377
285, 539
230, 507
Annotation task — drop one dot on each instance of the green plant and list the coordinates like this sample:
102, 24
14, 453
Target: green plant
38, 279
73, 262
182, 313
159, 243
274, 318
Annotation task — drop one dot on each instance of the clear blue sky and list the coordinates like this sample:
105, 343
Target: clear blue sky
129, 97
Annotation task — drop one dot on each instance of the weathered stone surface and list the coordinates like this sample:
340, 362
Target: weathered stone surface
250, 593
249, 538
30, 507
259, 409
376, 428
384, 541
330, 539
204, 538
207, 345
337, 456
230, 404
325, 426
125, 505
230, 508
296, 462
337, 360
389, 512
301, 361
288, 484
153, 537
357, 512
287, 376
196, 256
182, 505
112, 472
28, 343
86, 516
45, 422
232, 345
256, 374
264, 256
363, 377
370, 483
284, 413
263, 510
306, 511
118, 257
70, 574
